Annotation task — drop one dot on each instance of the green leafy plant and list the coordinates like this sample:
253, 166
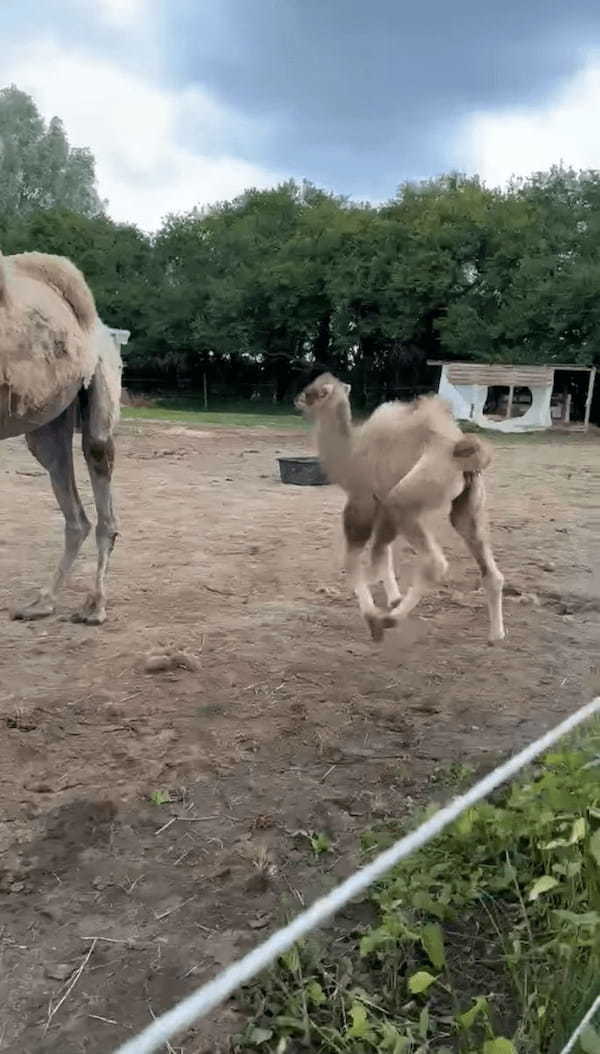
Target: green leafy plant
320, 843
487, 941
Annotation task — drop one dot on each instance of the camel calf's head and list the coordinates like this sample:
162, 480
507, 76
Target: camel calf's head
324, 394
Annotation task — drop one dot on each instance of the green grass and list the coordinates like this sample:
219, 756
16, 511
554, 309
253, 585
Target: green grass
275, 420
284, 418
487, 941
549, 436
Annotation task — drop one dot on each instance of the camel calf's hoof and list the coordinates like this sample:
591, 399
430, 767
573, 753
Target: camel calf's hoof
378, 624
496, 638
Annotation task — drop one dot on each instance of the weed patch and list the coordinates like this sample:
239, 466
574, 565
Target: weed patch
487, 941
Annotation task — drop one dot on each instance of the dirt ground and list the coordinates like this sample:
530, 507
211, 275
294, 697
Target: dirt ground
290, 722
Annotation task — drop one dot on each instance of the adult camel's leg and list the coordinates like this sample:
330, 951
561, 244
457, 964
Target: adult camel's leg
52, 445
99, 453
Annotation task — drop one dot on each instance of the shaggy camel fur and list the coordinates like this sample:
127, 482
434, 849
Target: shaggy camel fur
405, 462
59, 367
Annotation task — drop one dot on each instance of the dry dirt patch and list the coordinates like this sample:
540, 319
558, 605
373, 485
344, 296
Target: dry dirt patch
285, 721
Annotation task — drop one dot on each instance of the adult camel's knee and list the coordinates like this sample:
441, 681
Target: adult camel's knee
100, 455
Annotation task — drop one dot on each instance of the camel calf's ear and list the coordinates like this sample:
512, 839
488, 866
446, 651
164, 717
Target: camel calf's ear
348, 388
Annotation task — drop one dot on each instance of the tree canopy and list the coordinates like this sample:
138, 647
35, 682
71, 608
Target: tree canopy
38, 167
260, 289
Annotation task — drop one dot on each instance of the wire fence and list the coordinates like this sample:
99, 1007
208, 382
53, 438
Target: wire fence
210, 995
582, 1026
253, 395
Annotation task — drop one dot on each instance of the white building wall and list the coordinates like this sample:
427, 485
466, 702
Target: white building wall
468, 400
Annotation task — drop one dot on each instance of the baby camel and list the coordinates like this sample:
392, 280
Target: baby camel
58, 364
404, 462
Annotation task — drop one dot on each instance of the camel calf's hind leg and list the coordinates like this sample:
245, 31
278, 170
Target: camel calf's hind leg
432, 565
383, 571
52, 445
468, 517
399, 514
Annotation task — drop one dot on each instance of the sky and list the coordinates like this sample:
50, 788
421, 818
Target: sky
188, 102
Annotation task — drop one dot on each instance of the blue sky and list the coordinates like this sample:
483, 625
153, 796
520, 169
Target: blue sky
188, 101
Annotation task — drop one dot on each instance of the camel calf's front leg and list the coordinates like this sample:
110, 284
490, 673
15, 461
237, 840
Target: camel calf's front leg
359, 518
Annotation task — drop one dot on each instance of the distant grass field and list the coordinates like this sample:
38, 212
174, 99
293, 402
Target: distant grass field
275, 419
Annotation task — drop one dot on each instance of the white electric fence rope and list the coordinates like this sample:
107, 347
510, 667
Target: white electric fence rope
583, 1024
216, 991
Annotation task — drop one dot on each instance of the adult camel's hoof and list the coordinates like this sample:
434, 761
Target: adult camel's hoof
42, 607
93, 612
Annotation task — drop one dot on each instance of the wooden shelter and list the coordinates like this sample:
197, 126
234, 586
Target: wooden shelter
466, 386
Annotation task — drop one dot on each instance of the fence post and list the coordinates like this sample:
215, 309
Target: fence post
588, 401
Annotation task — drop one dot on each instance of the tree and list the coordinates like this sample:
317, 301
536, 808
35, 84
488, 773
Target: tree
533, 296
276, 282
38, 167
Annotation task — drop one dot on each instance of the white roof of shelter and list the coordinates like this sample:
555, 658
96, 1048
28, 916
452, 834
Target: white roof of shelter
504, 374
120, 335
474, 373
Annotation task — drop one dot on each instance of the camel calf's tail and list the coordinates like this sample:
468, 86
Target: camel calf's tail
473, 454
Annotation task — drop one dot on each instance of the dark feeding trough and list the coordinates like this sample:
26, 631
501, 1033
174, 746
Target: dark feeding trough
302, 471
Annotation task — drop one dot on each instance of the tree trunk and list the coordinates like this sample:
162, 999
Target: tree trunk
321, 348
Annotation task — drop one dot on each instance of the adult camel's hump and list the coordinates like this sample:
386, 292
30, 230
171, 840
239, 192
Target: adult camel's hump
47, 316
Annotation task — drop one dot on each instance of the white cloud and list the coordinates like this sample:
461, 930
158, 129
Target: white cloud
133, 127
520, 141
118, 13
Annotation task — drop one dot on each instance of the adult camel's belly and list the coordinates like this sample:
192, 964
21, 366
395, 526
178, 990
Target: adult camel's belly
13, 423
